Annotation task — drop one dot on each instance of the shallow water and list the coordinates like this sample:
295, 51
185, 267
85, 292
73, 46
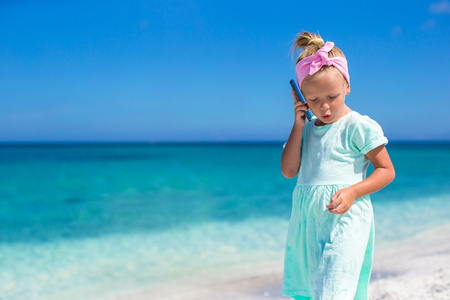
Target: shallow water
80, 220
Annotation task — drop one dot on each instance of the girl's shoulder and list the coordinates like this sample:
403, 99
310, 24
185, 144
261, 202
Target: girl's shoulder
357, 120
364, 132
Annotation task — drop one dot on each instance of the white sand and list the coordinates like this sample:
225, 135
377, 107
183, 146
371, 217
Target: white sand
418, 268
242, 282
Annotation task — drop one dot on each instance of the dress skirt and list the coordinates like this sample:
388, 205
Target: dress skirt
328, 256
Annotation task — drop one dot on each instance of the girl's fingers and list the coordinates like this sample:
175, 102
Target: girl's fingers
299, 108
335, 201
336, 207
300, 104
338, 210
296, 101
340, 202
333, 206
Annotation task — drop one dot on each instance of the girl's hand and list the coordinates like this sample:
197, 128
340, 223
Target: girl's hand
341, 201
299, 110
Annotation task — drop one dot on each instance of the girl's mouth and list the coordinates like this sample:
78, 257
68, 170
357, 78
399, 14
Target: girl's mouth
326, 117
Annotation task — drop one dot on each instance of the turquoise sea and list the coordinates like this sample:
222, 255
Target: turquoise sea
81, 221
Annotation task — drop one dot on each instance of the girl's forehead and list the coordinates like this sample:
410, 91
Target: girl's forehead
329, 78
327, 73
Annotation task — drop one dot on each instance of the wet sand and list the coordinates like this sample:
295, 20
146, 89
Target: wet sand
416, 268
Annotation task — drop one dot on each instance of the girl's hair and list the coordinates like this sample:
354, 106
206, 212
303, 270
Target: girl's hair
311, 43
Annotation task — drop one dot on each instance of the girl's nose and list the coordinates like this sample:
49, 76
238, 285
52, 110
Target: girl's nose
325, 106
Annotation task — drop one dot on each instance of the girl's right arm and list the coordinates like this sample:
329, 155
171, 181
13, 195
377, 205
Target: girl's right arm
291, 157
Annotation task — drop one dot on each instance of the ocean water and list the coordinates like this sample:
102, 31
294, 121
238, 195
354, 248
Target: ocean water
87, 221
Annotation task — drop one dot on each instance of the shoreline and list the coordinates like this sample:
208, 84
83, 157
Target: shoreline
414, 268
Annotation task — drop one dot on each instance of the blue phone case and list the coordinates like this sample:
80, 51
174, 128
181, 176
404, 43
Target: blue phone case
300, 97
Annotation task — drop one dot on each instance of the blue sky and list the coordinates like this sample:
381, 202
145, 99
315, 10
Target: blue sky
212, 70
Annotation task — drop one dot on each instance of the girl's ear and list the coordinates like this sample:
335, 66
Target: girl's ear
347, 90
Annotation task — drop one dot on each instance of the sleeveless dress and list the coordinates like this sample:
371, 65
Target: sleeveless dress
329, 256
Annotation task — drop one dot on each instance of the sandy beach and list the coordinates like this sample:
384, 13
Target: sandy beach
416, 268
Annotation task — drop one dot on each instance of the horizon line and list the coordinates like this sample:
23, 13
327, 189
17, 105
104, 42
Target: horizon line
199, 142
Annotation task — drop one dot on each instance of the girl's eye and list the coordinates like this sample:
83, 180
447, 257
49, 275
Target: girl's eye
312, 100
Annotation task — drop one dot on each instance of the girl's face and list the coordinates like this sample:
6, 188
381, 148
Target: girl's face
325, 94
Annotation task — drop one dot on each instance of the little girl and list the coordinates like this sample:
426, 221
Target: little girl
329, 249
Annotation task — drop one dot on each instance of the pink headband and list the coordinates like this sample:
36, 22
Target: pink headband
311, 65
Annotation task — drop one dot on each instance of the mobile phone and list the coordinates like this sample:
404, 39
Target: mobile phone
299, 97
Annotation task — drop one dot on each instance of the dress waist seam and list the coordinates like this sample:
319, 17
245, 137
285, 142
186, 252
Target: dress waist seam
324, 184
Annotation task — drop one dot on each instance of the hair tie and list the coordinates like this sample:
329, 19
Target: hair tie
312, 64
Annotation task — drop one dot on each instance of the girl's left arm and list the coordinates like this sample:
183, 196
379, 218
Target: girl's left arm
383, 174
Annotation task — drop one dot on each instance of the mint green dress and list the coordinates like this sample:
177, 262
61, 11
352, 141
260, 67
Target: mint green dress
329, 256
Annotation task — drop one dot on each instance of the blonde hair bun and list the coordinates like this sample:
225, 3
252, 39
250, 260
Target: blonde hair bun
316, 41
311, 43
